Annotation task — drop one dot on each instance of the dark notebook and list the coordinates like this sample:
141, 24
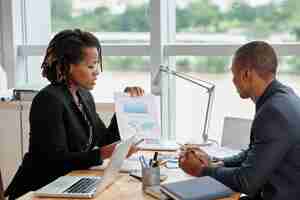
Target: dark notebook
204, 188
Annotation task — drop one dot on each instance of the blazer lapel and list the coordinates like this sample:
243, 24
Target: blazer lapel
71, 100
87, 107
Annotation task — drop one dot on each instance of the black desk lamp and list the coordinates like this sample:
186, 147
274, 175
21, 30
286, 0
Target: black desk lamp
210, 88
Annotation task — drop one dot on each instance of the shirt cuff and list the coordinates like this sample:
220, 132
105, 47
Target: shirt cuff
97, 157
209, 171
228, 161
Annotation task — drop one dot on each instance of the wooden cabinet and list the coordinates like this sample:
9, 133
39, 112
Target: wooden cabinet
10, 140
24, 121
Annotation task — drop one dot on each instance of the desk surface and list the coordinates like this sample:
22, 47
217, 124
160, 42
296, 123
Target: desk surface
125, 187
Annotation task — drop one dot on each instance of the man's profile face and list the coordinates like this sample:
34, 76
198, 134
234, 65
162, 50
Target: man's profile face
240, 80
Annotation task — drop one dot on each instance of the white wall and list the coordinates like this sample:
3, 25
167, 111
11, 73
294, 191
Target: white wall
2, 73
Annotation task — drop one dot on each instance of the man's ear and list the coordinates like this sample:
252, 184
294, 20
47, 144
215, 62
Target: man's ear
246, 74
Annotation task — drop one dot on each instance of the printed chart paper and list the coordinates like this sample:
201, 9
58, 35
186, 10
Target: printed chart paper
137, 116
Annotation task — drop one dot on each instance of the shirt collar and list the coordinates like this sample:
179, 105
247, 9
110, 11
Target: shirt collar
269, 91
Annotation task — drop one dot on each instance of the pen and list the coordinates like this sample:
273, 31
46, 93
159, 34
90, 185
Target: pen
144, 161
155, 156
139, 142
141, 161
179, 144
154, 161
150, 162
162, 162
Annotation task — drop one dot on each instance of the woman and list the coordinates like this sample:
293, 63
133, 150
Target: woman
65, 131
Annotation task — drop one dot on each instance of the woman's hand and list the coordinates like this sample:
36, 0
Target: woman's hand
107, 150
133, 149
134, 91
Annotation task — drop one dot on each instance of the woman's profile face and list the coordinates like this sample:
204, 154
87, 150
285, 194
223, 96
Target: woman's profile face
85, 73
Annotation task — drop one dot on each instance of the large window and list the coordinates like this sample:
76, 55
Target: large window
191, 36
191, 100
3, 85
120, 72
237, 21
114, 20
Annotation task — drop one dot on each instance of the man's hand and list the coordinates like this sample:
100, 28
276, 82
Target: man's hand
191, 164
202, 155
134, 91
192, 159
107, 150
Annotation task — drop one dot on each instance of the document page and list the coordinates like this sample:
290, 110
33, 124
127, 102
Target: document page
137, 116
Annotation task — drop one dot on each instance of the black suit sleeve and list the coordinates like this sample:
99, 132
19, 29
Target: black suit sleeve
114, 130
236, 160
105, 135
271, 143
50, 137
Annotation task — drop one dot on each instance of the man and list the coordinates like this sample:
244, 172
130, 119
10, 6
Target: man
270, 168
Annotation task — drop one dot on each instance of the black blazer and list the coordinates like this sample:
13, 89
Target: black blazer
58, 138
270, 168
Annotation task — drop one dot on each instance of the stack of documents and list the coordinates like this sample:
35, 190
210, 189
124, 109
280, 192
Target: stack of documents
204, 188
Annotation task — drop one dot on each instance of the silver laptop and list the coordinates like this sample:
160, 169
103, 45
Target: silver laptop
88, 186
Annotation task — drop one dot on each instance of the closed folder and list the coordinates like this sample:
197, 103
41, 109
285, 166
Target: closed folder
203, 188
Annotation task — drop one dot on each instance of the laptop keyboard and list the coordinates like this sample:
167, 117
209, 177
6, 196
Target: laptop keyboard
84, 185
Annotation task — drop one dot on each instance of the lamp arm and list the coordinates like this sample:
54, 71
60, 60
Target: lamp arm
187, 78
211, 93
211, 96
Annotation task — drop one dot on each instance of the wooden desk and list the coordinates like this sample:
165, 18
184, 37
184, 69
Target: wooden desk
125, 187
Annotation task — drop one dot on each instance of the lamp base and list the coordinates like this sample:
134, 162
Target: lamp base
201, 143
159, 145
169, 145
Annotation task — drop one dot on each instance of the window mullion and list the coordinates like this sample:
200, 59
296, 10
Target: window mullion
162, 32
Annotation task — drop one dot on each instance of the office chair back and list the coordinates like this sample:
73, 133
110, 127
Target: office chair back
236, 133
1, 188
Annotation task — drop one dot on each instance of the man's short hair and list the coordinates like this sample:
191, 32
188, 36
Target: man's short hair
259, 56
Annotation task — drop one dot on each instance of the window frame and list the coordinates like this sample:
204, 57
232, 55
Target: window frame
162, 48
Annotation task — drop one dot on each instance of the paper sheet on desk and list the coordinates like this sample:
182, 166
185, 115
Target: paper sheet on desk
130, 164
137, 116
219, 152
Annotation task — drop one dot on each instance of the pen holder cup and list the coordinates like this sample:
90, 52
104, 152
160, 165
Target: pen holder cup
150, 176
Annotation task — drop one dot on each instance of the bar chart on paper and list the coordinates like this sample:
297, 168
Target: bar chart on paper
137, 116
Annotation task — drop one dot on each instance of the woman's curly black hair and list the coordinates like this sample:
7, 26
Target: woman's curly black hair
67, 48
